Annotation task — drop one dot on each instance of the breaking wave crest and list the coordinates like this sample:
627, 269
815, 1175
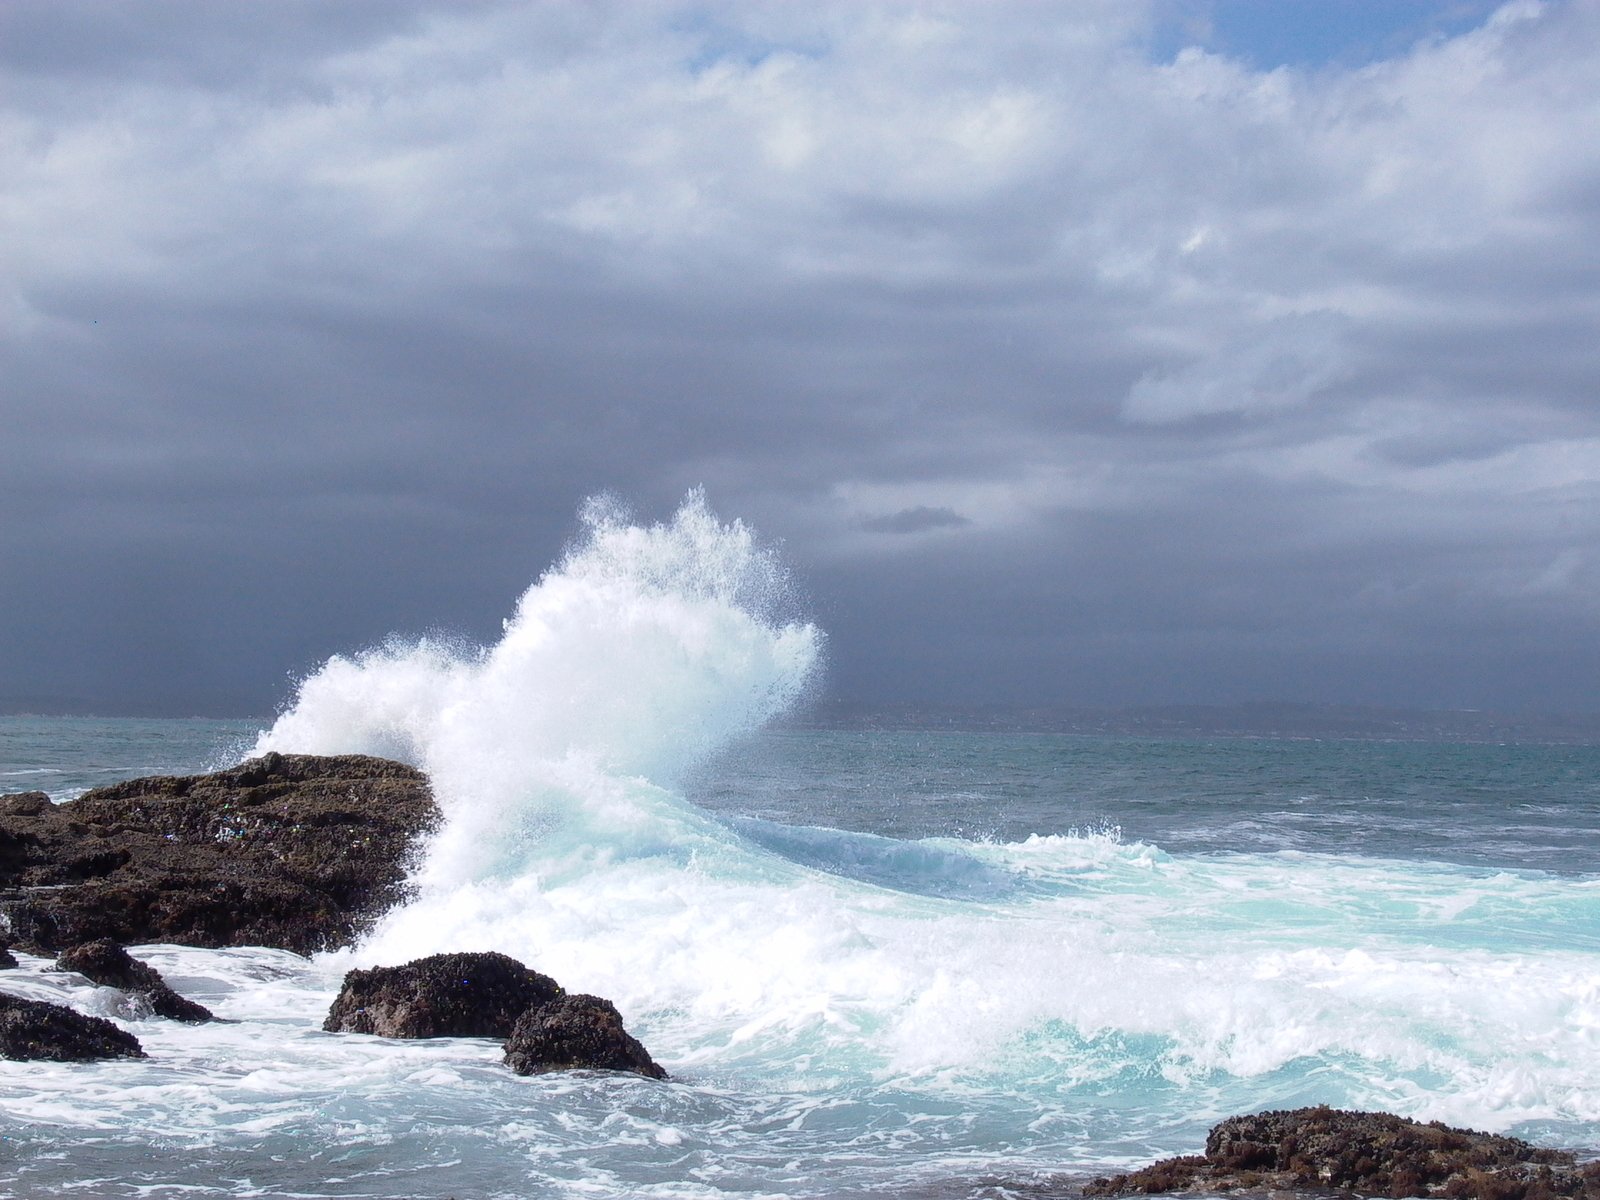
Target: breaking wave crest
645, 648
1035, 977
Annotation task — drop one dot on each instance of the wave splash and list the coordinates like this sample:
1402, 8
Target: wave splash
1012, 983
642, 650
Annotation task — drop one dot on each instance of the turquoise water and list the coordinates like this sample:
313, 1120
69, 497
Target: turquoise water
875, 962
1533, 806
951, 965
65, 756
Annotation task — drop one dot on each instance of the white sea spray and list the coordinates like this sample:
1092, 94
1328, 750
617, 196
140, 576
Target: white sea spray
840, 1009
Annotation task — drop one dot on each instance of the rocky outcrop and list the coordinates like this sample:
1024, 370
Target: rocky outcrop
1367, 1154
445, 995
490, 995
575, 1032
25, 804
297, 852
8, 960
108, 964
34, 1029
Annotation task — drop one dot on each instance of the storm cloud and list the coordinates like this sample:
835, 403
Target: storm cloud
1174, 375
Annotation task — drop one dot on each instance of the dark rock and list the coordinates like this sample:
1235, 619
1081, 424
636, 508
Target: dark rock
1368, 1154
7, 959
574, 1032
299, 852
108, 964
165, 1002
445, 995
34, 1029
24, 804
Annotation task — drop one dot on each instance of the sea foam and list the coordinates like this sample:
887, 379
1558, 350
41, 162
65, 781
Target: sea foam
1052, 969
841, 1011
645, 648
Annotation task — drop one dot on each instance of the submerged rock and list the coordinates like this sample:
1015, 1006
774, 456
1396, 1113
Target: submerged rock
1368, 1154
445, 995
35, 1029
108, 964
297, 852
574, 1032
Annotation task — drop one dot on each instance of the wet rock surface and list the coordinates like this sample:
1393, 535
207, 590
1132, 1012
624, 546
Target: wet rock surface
444, 995
35, 1029
108, 964
576, 1032
1360, 1153
490, 995
297, 852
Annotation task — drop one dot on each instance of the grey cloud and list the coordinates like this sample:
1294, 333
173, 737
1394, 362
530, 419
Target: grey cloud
915, 520
1278, 363
355, 303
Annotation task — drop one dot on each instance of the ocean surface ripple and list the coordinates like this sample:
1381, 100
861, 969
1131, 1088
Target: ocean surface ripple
871, 961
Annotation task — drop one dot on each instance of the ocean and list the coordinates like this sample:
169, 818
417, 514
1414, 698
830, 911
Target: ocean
908, 963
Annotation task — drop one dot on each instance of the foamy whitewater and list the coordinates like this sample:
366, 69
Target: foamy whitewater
873, 963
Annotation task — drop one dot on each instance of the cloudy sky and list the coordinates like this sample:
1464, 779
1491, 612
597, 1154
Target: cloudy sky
1103, 352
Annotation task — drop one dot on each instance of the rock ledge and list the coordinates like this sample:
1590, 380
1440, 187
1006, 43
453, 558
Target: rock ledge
444, 995
35, 1029
108, 964
294, 851
576, 1033
490, 995
1361, 1153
